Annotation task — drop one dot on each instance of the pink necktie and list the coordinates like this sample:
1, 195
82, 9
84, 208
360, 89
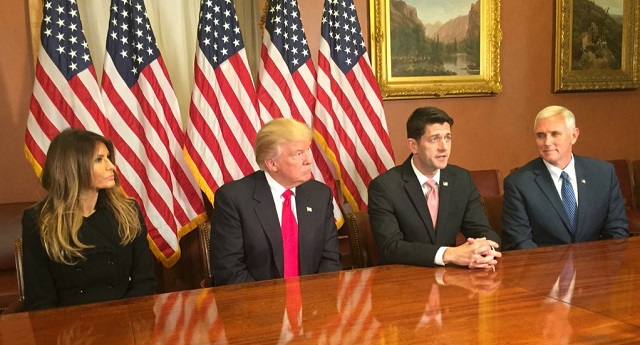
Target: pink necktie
289, 237
432, 201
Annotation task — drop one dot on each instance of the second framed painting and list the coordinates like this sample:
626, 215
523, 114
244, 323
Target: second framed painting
436, 48
597, 45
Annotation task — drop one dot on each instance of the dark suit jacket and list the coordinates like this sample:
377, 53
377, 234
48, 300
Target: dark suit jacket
246, 242
400, 219
111, 271
533, 214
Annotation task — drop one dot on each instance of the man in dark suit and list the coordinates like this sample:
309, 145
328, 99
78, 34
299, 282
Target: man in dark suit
401, 220
248, 240
559, 197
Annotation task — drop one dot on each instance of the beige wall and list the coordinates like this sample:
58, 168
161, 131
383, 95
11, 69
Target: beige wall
17, 180
490, 132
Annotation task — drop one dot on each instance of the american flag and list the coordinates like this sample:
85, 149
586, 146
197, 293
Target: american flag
223, 117
146, 130
65, 90
349, 112
286, 82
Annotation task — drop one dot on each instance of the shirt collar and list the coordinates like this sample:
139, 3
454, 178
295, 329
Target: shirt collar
422, 178
276, 188
555, 171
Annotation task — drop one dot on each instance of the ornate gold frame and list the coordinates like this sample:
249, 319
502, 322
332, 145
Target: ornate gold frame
487, 82
625, 78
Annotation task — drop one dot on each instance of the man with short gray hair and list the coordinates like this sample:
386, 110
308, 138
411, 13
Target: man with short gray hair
560, 197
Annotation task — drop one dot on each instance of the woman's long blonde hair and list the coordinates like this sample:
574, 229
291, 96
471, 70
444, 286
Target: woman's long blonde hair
67, 172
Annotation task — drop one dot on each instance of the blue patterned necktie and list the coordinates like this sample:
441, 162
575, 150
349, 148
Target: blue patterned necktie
569, 201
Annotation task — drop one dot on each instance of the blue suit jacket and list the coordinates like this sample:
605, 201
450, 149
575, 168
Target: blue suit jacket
533, 214
246, 241
400, 219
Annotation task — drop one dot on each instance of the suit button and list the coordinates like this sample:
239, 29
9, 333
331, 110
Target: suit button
78, 269
110, 286
80, 291
111, 261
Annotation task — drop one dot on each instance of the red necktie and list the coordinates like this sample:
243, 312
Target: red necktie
432, 201
289, 237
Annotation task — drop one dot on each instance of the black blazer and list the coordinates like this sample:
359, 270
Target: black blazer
246, 242
533, 214
400, 219
111, 271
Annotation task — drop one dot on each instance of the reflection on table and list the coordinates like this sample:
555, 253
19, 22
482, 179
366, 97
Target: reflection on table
579, 293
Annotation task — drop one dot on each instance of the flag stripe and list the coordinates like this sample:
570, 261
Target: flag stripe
351, 124
346, 138
159, 91
202, 127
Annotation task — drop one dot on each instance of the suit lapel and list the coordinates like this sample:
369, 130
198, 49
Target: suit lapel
584, 193
545, 183
444, 195
268, 218
414, 190
304, 210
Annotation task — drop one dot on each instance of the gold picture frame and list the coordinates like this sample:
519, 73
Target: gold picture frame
419, 66
596, 48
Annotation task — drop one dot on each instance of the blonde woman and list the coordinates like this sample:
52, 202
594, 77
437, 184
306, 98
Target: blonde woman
86, 241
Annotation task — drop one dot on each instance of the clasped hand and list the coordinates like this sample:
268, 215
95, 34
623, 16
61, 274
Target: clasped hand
474, 253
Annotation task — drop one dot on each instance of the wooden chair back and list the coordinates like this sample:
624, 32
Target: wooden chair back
487, 181
19, 271
364, 251
636, 184
17, 306
204, 232
625, 178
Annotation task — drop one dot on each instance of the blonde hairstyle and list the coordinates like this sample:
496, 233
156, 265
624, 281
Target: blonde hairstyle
277, 132
553, 110
67, 172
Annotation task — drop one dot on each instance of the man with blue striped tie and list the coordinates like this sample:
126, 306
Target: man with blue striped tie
560, 197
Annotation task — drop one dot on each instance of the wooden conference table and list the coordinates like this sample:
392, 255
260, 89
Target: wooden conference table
526, 301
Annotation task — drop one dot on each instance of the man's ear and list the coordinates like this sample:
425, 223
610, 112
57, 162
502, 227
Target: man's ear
574, 135
270, 165
412, 144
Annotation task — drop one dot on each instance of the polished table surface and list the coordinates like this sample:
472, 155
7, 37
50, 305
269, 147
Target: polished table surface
579, 294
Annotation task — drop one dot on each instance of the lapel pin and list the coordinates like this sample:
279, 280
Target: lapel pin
583, 181
309, 209
445, 183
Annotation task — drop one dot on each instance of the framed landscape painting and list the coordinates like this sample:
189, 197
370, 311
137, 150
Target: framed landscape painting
596, 45
436, 48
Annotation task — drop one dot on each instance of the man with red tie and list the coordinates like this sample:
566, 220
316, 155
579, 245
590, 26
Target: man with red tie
276, 222
416, 209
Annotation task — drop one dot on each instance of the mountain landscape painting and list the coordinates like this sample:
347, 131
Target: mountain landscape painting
434, 37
